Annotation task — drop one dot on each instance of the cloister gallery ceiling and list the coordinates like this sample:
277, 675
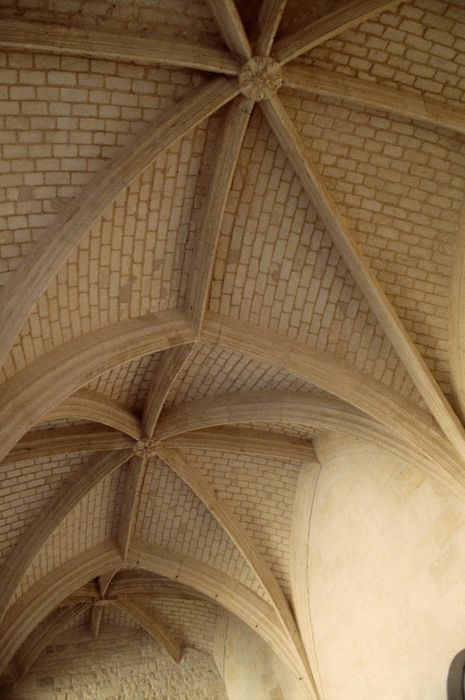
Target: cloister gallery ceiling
227, 229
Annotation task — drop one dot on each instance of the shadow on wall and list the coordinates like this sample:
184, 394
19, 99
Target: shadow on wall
455, 679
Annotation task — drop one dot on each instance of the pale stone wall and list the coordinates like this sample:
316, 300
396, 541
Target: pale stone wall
122, 663
252, 670
386, 563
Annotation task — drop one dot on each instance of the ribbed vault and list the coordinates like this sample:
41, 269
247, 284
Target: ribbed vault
228, 231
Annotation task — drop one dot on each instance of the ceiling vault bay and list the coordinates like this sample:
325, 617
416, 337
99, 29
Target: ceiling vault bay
243, 67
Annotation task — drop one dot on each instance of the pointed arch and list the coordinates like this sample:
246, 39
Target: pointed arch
52, 248
435, 457
31, 393
346, 16
39, 601
402, 418
50, 518
98, 408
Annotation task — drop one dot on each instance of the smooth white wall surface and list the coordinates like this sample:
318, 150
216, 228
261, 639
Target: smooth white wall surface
251, 669
387, 576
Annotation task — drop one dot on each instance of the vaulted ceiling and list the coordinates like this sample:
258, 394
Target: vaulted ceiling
227, 228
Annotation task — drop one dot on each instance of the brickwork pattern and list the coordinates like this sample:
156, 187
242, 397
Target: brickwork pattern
132, 262
398, 183
260, 491
277, 268
171, 516
213, 371
420, 47
63, 118
25, 488
128, 383
89, 523
112, 617
400, 187
191, 622
121, 663
50, 150
135, 259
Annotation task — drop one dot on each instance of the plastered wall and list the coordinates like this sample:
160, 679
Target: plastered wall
386, 570
251, 670
122, 663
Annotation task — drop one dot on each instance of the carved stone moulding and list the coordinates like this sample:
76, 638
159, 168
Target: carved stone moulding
260, 78
145, 448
